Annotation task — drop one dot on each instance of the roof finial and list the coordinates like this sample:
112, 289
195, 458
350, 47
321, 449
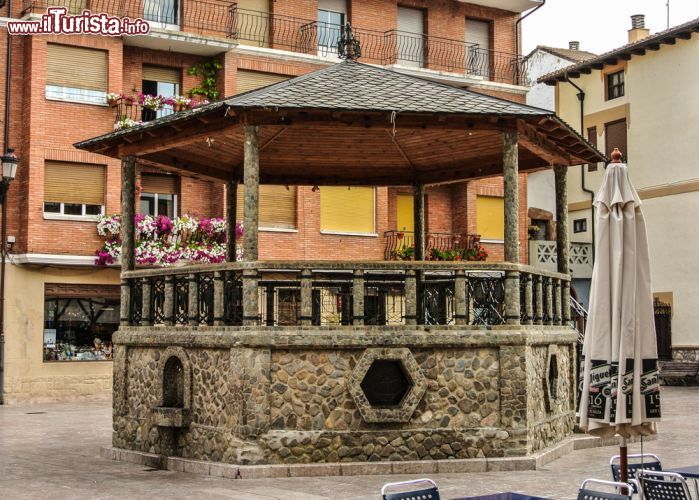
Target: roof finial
348, 46
616, 155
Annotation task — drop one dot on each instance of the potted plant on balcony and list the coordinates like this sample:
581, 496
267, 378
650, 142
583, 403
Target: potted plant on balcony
125, 122
180, 103
113, 99
152, 102
476, 253
533, 232
404, 253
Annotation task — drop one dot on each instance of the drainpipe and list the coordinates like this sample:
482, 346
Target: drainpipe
517, 22
581, 98
6, 142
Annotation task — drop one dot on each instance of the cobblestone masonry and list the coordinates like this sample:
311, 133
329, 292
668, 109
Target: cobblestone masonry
282, 396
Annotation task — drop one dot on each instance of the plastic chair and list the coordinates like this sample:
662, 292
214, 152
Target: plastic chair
645, 461
431, 493
663, 486
587, 493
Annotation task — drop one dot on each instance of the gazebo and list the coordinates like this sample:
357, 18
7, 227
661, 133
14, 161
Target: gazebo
242, 363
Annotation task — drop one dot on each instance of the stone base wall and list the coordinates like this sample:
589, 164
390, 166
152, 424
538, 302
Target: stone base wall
285, 396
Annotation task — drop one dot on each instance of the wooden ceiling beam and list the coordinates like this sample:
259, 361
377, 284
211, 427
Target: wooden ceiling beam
538, 144
174, 138
185, 166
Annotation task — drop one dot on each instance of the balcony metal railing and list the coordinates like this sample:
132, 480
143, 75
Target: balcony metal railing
207, 17
390, 47
131, 113
322, 293
401, 244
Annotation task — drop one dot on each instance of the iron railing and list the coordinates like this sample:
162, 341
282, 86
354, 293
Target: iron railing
206, 17
400, 245
135, 113
369, 293
307, 36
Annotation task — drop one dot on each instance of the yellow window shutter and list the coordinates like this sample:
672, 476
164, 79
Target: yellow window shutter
74, 183
347, 210
155, 183
277, 206
405, 216
251, 80
490, 217
161, 74
76, 67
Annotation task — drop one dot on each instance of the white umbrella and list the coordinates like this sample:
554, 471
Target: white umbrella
621, 390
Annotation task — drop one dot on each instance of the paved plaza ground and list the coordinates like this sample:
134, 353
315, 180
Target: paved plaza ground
52, 451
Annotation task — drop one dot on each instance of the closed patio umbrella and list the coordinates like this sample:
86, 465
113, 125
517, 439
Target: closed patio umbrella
621, 390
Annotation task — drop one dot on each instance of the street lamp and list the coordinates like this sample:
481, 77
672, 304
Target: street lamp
9, 171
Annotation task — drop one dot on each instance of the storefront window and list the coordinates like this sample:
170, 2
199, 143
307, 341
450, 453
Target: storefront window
78, 326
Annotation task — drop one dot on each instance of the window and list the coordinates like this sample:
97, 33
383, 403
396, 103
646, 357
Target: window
615, 137
615, 85
490, 217
345, 210
158, 195
73, 190
76, 74
580, 226
277, 206
592, 139
161, 12
331, 18
250, 80
410, 37
79, 321
478, 56
159, 81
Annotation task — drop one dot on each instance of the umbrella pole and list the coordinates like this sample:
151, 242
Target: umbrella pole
624, 461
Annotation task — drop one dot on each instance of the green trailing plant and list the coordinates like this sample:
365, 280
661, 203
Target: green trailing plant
207, 70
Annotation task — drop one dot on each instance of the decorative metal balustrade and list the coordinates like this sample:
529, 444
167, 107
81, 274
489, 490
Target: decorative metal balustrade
322, 293
400, 244
128, 113
308, 36
379, 47
206, 17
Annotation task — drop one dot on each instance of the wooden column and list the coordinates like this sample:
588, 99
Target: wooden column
231, 218
419, 220
128, 231
511, 188
251, 178
306, 316
358, 297
460, 298
562, 236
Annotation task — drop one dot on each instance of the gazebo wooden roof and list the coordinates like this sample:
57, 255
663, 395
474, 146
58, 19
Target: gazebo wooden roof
350, 124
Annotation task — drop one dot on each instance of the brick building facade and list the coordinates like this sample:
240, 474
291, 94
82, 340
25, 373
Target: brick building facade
55, 249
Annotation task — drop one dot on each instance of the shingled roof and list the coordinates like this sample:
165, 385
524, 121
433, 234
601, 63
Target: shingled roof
372, 125
569, 54
354, 86
638, 48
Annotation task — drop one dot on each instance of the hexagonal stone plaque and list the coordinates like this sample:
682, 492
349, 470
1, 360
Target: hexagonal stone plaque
387, 385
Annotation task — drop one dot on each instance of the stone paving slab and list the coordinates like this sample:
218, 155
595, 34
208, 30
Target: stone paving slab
56, 454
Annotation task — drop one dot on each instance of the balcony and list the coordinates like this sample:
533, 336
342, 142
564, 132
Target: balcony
220, 19
400, 244
542, 254
391, 47
204, 17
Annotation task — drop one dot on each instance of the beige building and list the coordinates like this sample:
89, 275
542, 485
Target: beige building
643, 98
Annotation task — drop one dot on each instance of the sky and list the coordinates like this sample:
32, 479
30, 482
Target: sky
599, 25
